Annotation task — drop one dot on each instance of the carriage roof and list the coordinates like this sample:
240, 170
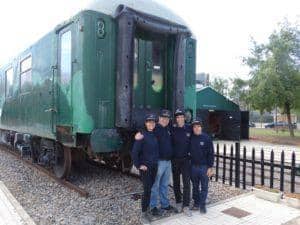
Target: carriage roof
146, 6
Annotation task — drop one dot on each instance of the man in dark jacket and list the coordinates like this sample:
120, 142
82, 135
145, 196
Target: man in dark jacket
145, 154
202, 161
181, 134
161, 186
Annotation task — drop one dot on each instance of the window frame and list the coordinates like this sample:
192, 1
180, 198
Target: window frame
62, 33
29, 56
6, 86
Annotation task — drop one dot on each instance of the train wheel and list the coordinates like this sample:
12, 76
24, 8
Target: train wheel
62, 167
36, 144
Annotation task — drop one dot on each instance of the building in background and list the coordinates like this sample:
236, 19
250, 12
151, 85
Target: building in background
202, 80
221, 117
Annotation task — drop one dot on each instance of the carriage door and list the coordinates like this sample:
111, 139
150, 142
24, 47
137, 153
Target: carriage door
64, 104
149, 77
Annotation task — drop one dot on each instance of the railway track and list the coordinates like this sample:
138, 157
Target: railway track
46, 172
84, 193
65, 183
103, 165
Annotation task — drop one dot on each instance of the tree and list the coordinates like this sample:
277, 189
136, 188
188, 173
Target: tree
220, 85
275, 75
239, 92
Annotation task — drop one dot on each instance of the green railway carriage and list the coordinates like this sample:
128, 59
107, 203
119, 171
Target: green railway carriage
86, 85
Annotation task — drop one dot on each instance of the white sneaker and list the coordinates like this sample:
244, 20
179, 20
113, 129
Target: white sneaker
187, 211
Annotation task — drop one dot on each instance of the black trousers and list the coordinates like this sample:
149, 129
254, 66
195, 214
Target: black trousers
148, 179
182, 167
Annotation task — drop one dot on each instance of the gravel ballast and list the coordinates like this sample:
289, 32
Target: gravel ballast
110, 201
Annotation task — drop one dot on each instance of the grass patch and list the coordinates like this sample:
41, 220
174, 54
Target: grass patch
280, 137
272, 132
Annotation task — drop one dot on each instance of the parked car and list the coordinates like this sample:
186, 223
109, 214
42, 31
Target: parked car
280, 125
251, 124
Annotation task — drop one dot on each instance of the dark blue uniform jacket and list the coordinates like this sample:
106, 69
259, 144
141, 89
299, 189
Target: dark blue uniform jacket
181, 141
145, 151
163, 135
202, 150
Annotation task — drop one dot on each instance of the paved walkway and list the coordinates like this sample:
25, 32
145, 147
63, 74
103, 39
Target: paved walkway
11, 212
244, 210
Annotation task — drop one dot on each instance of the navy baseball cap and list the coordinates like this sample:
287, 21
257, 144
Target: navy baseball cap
197, 122
179, 112
150, 117
165, 113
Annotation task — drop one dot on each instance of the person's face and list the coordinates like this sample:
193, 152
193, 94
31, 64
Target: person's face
197, 129
150, 125
164, 121
180, 120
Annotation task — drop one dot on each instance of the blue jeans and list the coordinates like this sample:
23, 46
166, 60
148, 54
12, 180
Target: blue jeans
199, 177
161, 185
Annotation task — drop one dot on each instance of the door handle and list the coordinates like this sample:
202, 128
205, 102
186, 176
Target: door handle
51, 110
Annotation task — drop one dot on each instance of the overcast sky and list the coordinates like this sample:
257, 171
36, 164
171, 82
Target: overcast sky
223, 28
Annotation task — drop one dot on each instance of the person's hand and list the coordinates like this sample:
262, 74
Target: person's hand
209, 172
143, 168
139, 136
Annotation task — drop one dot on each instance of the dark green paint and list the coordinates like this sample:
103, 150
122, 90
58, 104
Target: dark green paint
87, 103
190, 76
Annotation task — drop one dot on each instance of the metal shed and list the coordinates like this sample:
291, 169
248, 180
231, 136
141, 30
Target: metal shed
222, 118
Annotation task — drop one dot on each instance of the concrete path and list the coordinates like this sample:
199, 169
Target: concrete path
11, 212
244, 210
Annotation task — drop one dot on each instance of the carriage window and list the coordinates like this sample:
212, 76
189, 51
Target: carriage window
136, 55
9, 75
65, 57
26, 79
157, 70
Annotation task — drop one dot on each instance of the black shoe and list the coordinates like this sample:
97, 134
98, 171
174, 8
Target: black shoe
155, 212
171, 209
203, 209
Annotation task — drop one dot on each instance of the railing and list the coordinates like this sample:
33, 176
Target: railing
244, 170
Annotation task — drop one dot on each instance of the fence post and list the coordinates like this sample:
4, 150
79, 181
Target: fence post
262, 167
231, 165
293, 172
237, 164
224, 164
282, 172
244, 167
272, 169
253, 168
217, 162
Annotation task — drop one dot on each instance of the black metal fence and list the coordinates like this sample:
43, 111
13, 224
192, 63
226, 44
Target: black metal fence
243, 170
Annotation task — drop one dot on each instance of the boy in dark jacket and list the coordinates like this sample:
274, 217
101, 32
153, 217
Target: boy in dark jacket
145, 155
